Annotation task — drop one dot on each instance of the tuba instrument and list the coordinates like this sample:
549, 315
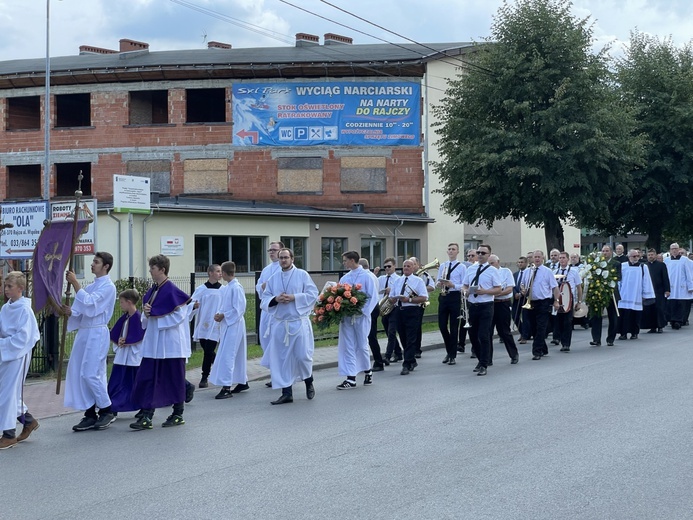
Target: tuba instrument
431, 265
385, 305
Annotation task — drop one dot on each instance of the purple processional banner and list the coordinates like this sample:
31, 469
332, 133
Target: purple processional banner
50, 260
333, 113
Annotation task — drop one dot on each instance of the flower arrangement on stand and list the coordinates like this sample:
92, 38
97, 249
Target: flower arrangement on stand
600, 279
337, 302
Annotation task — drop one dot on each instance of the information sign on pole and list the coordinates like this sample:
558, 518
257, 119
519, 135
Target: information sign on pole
26, 219
131, 194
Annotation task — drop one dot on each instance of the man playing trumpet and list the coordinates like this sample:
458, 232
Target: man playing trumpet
541, 290
450, 279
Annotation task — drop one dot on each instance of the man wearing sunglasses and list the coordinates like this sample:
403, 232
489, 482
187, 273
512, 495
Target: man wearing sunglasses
482, 282
385, 283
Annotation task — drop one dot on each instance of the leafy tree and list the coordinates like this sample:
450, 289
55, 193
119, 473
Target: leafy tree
535, 129
656, 79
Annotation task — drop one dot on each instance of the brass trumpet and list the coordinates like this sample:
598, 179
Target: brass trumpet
465, 312
528, 305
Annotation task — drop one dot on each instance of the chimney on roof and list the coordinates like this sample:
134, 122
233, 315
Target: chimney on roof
332, 39
90, 49
132, 45
218, 45
305, 39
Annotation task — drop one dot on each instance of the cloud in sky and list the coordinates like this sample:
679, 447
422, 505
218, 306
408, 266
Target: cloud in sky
179, 24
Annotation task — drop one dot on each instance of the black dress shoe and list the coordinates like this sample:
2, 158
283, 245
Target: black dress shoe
203, 383
477, 368
310, 391
652, 331
446, 360
481, 372
660, 331
240, 388
633, 336
378, 368
386, 362
283, 399
565, 349
609, 343
268, 384
224, 393
536, 358
398, 359
623, 336
460, 348
555, 342
514, 360
473, 356
417, 355
490, 363
413, 366
404, 372
596, 343
452, 361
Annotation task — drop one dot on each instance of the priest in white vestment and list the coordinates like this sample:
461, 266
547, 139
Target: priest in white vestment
352, 346
680, 270
288, 300
634, 287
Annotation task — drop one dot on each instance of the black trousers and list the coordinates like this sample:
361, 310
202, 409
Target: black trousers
596, 325
501, 321
563, 327
448, 312
373, 338
419, 338
208, 347
629, 321
409, 328
481, 319
539, 317
390, 325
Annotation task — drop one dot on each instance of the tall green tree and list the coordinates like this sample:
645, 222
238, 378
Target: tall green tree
535, 130
656, 79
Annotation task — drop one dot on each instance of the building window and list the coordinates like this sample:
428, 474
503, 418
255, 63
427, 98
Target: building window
331, 252
205, 105
373, 250
24, 181
246, 252
406, 248
72, 110
149, 107
66, 179
298, 246
23, 113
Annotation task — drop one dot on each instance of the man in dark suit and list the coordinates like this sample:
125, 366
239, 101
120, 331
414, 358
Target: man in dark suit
596, 321
654, 316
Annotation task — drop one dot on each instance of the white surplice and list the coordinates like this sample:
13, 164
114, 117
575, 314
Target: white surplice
267, 273
209, 302
680, 278
230, 365
353, 352
18, 335
85, 381
635, 284
288, 335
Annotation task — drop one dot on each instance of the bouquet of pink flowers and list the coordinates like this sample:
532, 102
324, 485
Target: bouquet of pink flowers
337, 302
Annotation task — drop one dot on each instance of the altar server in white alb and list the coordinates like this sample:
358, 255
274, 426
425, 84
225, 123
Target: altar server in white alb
85, 381
288, 299
635, 286
18, 335
205, 302
680, 271
230, 366
268, 272
352, 346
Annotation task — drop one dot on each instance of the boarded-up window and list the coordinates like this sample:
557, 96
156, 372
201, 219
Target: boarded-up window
363, 174
205, 176
299, 175
159, 172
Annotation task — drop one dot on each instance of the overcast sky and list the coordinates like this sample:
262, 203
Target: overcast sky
174, 24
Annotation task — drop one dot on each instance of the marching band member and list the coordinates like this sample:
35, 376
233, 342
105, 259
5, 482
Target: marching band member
430, 287
483, 283
408, 293
450, 279
462, 337
541, 289
563, 321
520, 315
501, 311
389, 320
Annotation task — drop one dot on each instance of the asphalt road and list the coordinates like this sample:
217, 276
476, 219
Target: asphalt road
599, 433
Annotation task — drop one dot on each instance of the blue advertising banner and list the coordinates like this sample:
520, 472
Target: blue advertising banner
336, 113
